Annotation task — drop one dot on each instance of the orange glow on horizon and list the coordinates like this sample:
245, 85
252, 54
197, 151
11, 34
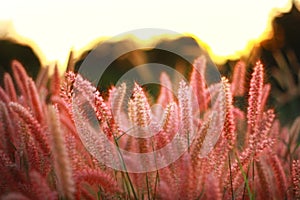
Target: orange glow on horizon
53, 29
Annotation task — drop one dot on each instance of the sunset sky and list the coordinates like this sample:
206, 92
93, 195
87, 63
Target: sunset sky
57, 26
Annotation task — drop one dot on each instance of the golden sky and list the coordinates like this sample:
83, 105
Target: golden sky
55, 27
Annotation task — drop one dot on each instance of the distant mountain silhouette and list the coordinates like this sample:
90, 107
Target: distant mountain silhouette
175, 53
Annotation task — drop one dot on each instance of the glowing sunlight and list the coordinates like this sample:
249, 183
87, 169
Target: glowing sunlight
226, 27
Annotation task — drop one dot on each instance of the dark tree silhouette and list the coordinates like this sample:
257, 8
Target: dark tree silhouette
12, 50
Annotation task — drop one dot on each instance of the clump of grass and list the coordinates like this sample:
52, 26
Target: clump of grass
44, 150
